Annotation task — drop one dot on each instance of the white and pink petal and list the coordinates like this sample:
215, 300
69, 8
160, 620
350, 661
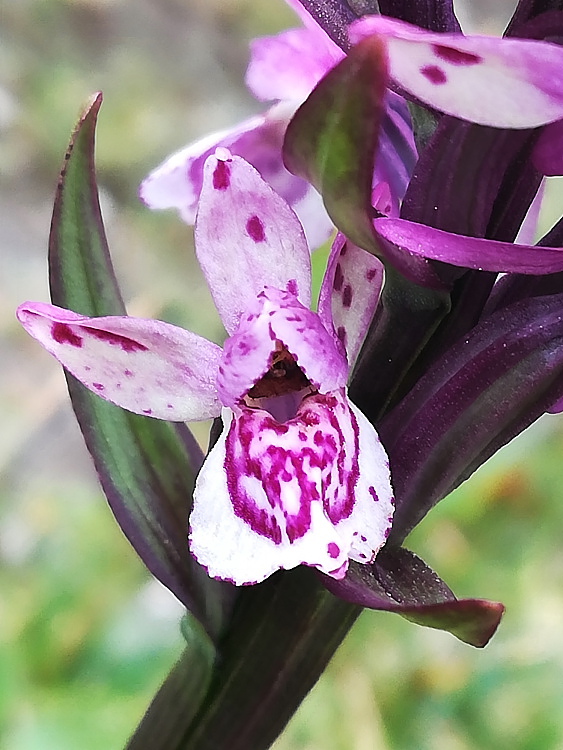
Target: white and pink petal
247, 237
257, 507
505, 83
273, 495
349, 294
146, 366
369, 522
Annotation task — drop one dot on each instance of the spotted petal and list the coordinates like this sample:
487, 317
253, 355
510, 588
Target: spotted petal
145, 366
291, 494
506, 83
349, 294
247, 237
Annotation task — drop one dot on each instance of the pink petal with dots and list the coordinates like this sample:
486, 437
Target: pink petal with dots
506, 83
289, 65
273, 495
278, 316
145, 366
177, 182
247, 237
350, 293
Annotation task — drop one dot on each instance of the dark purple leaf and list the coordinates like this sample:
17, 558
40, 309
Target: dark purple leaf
399, 581
284, 632
528, 10
334, 17
434, 15
477, 397
460, 174
383, 366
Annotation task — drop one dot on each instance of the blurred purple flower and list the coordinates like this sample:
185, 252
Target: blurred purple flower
285, 69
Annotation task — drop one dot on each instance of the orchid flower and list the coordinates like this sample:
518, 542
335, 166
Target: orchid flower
298, 475
285, 69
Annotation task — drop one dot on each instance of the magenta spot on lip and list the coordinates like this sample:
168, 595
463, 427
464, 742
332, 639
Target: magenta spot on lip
292, 287
370, 274
147, 411
128, 373
98, 386
333, 550
341, 333
338, 278
347, 295
64, 334
221, 176
456, 56
255, 229
373, 493
434, 74
114, 339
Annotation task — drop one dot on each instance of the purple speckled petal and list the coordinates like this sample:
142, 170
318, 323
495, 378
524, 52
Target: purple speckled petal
506, 83
548, 151
349, 294
177, 182
274, 495
289, 65
279, 316
146, 366
411, 239
247, 237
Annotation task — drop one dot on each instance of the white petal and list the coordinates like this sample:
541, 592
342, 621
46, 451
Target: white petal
247, 237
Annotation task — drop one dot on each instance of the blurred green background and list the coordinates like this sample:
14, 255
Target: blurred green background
85, 636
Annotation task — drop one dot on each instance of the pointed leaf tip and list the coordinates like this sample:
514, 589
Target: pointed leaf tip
400, 582
333, 138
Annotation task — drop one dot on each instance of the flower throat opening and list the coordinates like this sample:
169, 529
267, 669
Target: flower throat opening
282, 388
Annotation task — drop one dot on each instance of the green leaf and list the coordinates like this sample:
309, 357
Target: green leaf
147, 468
332, 140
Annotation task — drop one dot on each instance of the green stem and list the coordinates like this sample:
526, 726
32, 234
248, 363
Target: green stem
283, 634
